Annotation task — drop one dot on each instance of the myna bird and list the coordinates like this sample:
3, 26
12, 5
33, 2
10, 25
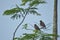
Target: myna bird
42, 24
36, 27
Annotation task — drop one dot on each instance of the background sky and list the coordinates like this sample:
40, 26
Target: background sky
7, 25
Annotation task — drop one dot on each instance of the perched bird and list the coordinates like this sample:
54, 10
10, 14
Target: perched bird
42, 24
36, 27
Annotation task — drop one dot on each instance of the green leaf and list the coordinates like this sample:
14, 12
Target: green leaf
33, 8
16, 16
36, 31
51, 35
25, 26
45, 38
34, 12
36, 2
13, 11
32, 2
24, 2
29, 36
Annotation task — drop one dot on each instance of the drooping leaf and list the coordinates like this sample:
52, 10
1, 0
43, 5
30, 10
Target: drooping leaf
34, 12
30, 8
16, 16
33, 8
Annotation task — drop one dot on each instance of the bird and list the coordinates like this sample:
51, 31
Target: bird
42, 24
36, 27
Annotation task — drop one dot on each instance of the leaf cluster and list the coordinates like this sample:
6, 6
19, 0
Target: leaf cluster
36, 35
32, 2
18, 12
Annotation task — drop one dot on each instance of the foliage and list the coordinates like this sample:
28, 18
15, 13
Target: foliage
34, 36
17, 12
37, 34
25, 26
45, 38
32, 2
20, 12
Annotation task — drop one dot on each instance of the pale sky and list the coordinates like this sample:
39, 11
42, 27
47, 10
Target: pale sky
7, 25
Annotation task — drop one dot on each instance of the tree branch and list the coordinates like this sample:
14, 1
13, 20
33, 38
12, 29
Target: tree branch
19, 25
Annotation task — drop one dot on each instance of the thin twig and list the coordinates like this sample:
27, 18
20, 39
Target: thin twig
19, 26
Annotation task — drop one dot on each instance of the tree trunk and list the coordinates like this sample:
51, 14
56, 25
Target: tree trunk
55, 20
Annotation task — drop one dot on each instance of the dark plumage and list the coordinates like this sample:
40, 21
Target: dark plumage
42, 24
36, 27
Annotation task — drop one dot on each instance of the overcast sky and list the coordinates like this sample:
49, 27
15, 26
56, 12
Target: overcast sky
7, 25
